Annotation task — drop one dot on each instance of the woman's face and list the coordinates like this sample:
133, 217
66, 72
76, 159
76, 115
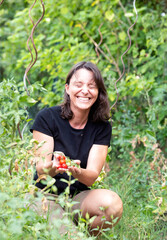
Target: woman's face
82, 90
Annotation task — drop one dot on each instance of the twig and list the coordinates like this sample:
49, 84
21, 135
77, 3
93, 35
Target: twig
96, 45
32, 40
33, 61
124, 54
113, 59
129, 21
1, 2
101, 39
18, 128
29, 66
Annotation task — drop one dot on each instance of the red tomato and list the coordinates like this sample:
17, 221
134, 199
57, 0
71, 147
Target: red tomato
62, 161
59, 158
59, 166
64, 165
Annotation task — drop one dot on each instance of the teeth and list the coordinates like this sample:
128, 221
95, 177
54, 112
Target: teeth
83, 99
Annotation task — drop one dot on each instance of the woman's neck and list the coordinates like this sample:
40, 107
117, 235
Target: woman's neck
79, 120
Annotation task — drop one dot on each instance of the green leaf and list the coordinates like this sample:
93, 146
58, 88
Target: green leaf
129, 14
31, 100
151, 133
122, 36
110, 15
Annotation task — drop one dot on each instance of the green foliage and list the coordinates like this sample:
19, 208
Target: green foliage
72, 31
14, 107
13, 111
142, 187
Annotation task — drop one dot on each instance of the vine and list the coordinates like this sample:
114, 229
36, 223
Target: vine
33, 61
1, 2
110, 58
129, 46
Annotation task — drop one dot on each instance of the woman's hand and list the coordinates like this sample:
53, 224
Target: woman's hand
52, 169
76, 171
96, 160
59, 163
60, 166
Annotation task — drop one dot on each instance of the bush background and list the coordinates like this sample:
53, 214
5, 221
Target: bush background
73, 31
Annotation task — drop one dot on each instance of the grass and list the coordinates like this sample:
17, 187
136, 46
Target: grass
140, 182
139, 189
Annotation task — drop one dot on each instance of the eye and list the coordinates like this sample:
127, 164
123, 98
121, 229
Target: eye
78, 84
92, 85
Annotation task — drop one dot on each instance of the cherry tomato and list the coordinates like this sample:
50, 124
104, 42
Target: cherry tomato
59, 158
62, 161
64, 165
59, 166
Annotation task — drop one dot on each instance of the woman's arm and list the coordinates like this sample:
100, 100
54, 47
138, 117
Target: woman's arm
43, 155
96, 160
44, 163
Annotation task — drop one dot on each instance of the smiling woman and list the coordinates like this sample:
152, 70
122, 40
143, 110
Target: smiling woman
80, 130
100, 110
83, 93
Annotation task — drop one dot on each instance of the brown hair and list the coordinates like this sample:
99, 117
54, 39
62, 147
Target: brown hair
100, 111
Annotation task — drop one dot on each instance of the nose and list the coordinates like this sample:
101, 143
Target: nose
85, 89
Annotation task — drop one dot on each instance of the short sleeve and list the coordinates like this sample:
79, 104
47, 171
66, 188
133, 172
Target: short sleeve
43, 122
103, 135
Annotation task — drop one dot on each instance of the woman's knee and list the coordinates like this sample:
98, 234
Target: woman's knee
115, 205
103, 200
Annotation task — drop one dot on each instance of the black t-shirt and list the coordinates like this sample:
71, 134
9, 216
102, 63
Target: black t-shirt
74, 143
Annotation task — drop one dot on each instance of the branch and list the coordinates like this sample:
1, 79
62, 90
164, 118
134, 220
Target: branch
1, 2
101, 39
32, 40
129, 21
113, 59
124, 54
97, 46
18, 128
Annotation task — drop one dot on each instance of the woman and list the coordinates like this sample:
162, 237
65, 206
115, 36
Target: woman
80, 129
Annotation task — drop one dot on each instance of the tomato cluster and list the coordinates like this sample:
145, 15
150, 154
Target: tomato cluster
62, 162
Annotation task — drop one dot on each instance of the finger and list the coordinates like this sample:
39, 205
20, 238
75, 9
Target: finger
58, 153
55, 163
77, 162
61, 170
75, 170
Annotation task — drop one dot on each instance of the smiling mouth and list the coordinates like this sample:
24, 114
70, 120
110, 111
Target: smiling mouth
84, 99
